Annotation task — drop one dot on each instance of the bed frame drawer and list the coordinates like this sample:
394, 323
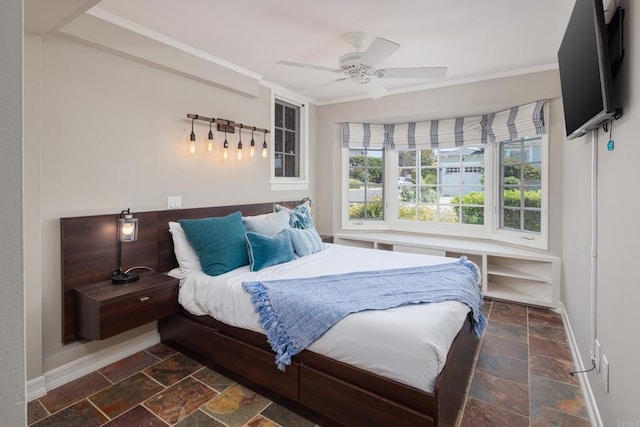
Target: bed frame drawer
341, 401
256, 365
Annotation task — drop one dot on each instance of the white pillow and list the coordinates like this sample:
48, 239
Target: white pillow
267, 224
186, 256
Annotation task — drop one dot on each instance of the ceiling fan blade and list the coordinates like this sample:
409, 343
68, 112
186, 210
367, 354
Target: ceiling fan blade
432, 73
321, 85
309, 66
374, 89
379, 50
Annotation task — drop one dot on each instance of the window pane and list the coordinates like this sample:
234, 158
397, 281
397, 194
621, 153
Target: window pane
407, 212
533, 198
532, 221
448, 214
511, 218
406, 158
290, 142
429, 194
375, 175
429, 176
279, 170
278, 120
277, 140
407, 193
356, 210
290, 118
427, 158
532, 174
290, 166
366, 180
286, 139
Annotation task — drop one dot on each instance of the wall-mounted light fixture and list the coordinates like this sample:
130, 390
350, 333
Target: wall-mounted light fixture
127, 232
240, 143
264, 145
210, 138
227, 126
252, 150
225, 146
192, 137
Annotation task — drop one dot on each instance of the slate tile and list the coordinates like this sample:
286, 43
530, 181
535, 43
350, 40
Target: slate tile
82, 414
128, 366
500, 392
74, 391
560, 396
126, 394
180, 400
481, 414
172, 370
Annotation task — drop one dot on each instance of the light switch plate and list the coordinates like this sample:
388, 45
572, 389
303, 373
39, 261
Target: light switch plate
174, 202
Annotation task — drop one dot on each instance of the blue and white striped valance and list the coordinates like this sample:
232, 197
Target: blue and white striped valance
516, 122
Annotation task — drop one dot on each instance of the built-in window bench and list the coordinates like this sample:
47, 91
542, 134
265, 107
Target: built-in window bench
508, 273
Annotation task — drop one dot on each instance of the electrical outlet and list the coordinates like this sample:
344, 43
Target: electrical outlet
174, 202
604, 373
596, 356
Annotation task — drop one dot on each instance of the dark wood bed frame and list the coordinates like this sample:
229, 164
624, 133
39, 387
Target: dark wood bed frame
342, 393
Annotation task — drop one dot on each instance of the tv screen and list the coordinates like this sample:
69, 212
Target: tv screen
585, 74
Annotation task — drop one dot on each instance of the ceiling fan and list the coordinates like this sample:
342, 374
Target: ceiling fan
360, 66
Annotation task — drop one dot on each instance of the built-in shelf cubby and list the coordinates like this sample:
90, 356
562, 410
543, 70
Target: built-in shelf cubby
508, 273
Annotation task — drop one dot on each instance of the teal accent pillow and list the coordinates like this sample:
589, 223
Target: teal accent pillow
218, 241
300, 216
265, 251
305, 241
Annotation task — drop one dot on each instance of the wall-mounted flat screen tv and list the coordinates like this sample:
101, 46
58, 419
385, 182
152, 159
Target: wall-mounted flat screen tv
585, 71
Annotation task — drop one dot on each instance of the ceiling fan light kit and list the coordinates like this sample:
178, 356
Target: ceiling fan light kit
360, 66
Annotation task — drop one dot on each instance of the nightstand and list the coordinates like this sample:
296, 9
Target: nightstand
104, 309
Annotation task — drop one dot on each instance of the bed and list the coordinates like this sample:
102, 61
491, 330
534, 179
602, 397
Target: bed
337, 377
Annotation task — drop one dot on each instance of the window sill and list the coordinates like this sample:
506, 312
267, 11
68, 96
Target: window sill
294, 184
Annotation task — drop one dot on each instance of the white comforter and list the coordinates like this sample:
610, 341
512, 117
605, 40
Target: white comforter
408, 344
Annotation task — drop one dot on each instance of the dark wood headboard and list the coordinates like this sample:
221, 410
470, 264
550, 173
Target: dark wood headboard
89, 247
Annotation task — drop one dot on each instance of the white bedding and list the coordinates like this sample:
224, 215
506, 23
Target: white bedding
408, 344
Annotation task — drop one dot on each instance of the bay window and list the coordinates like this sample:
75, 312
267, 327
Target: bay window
482, 177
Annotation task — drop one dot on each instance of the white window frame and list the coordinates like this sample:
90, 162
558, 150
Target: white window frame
533, 240
360, 223
448, 229
301, 182
490, 230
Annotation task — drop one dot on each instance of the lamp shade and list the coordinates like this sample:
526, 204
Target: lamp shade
127, 227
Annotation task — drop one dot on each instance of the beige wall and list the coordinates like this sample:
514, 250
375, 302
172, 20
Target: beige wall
112, 136
447, 102
618, 250
12, 350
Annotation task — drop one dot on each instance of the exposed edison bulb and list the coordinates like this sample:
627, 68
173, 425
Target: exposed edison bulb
239, 153
210, 139
264, 150
192, 147
225, 151
127, 228
252, 151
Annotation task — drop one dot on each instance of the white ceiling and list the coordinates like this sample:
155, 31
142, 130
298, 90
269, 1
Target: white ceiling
475, 39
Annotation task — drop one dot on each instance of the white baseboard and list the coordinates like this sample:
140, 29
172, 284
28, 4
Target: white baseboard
39, 386
590, 400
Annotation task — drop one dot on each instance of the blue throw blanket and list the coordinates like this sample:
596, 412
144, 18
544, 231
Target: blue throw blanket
296, 312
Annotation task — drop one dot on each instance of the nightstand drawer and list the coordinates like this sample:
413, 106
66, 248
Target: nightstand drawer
105, 310
137, 310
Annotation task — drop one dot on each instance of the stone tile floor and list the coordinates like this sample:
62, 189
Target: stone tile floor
520, 379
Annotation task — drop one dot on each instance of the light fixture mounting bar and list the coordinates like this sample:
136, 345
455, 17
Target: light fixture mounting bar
226, 123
